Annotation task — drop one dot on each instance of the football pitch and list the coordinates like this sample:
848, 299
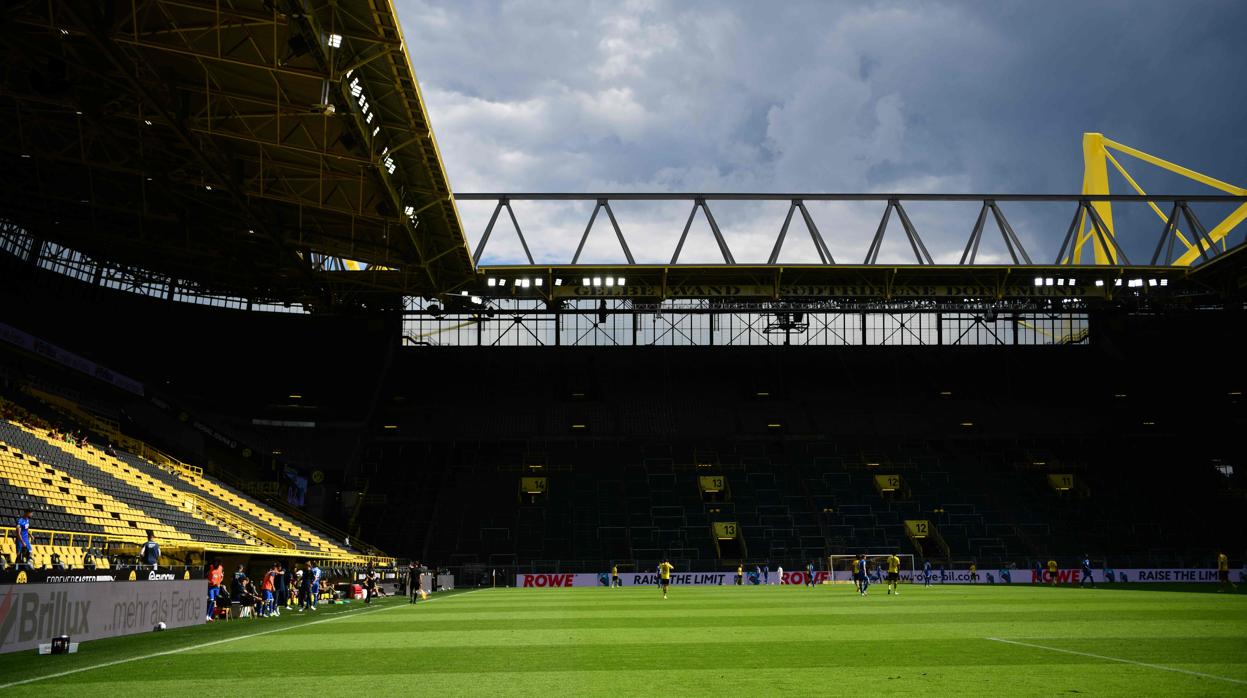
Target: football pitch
984, 640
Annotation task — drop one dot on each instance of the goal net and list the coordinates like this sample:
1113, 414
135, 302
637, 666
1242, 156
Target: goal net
841, 567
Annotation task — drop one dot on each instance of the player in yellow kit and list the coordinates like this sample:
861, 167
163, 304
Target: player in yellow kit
615, 576
894, 573
1223, 572
664, 576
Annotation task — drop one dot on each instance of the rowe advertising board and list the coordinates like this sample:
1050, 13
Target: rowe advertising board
958, 576
39, 605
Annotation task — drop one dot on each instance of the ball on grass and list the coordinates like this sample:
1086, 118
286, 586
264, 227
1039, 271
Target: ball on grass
159, 626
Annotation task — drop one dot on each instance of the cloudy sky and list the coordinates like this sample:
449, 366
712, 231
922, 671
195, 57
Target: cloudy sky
691, 96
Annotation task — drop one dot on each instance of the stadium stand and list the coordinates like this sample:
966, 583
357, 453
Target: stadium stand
85, 498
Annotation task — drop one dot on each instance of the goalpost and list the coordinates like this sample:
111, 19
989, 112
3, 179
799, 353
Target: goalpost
841, 567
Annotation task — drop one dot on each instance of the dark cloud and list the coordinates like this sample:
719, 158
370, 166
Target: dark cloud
796, 96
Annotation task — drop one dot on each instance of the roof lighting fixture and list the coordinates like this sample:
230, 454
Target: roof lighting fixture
1039, 281
208, 187
491, 282
584, 281
390, 426
524, 283
409, 211
335, 40
1048, 281
610, 281
463, 293
295, 397
476, 300
1151, 282
597, 281
1164, 282
558, 282
147, 121
1117, 282
537, 281
1099, 282
375, 131
1060, 282
619, 281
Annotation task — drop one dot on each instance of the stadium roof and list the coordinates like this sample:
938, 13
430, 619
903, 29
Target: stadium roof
250, 146
280, 151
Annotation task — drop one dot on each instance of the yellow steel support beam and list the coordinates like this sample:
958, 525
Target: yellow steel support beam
1095, 181
1096, 157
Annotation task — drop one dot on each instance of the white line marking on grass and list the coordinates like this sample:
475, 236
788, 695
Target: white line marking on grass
127, 660
1161, 667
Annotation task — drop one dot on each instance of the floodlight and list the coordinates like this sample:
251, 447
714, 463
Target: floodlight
1099, 282
492, 282
537, 281
597, 281
335, 40
584, 281
610, 281
1048, 281
558, 282
619, 281
1039, 281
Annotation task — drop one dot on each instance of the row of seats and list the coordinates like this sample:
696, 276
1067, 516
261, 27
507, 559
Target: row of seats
82, 489
79, 499
71, 556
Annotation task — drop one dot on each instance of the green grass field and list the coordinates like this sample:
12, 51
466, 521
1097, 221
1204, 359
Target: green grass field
701, 641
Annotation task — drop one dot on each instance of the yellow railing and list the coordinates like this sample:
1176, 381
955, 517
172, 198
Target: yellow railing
100, 541
230, 519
